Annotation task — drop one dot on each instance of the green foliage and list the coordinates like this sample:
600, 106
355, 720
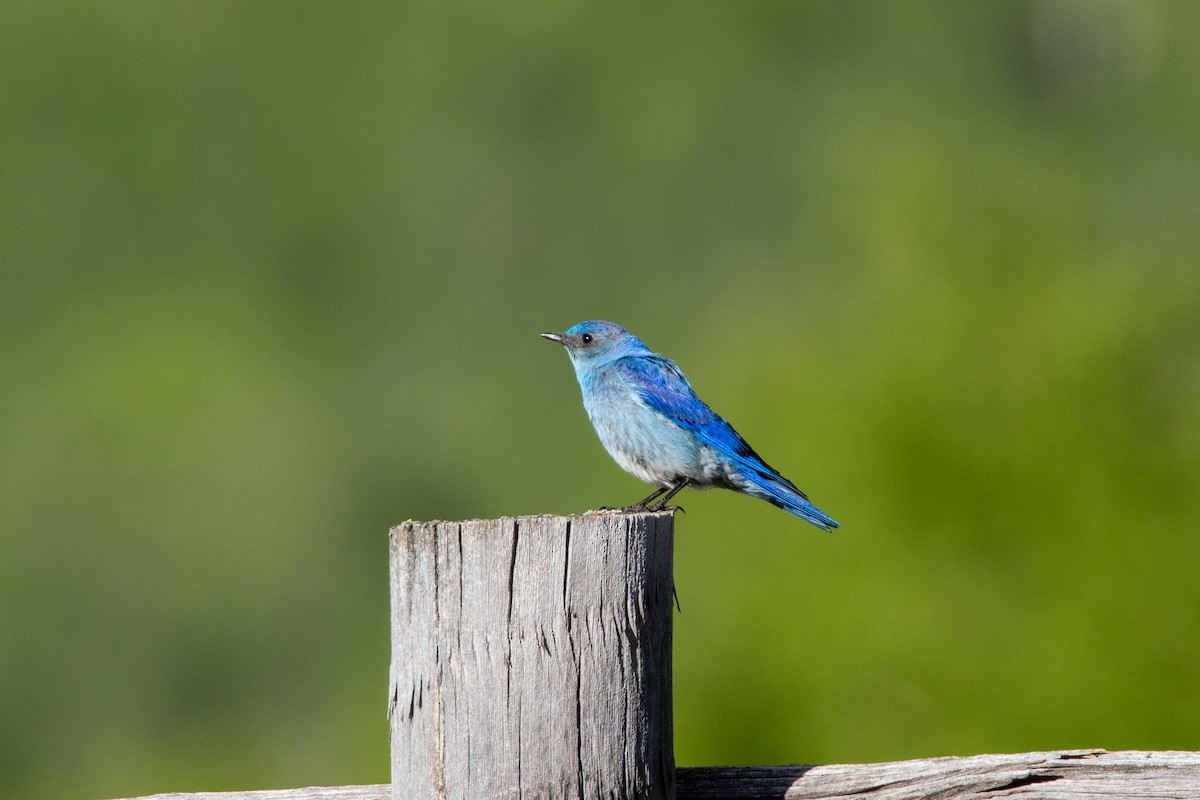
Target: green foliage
270, 282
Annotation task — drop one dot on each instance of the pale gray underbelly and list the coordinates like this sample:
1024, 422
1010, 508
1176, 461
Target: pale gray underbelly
652, 448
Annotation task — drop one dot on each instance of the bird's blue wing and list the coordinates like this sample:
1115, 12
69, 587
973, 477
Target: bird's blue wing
661, 386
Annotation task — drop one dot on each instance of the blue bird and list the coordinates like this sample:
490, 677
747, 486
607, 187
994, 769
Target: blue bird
657, 429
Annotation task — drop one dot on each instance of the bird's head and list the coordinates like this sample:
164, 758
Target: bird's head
594, 343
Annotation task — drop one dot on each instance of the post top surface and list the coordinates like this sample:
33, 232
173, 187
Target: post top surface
616, 513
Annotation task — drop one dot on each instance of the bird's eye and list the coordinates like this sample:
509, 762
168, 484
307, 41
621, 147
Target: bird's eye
586, 338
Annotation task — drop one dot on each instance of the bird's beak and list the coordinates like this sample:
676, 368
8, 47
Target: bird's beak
555, 337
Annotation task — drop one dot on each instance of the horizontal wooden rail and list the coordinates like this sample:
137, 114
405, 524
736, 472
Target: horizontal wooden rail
1056, 775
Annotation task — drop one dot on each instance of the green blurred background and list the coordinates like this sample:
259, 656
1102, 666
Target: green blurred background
272, 279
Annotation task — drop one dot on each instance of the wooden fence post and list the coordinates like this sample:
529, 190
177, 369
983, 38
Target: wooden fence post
531, 657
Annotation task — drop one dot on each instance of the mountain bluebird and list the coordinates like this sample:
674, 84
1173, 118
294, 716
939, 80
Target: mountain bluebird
653, 424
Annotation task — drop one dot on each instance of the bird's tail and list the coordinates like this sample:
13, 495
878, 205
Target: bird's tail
780, 492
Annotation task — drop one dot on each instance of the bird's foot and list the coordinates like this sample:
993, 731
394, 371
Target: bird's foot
640, 508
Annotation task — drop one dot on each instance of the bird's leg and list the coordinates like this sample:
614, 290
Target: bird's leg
661, 504
646, 503
638, 506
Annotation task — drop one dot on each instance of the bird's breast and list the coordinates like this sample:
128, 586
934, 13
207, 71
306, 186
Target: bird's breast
643, 442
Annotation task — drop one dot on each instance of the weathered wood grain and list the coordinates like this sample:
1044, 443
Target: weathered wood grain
376, 791
1056, 775
531, 657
